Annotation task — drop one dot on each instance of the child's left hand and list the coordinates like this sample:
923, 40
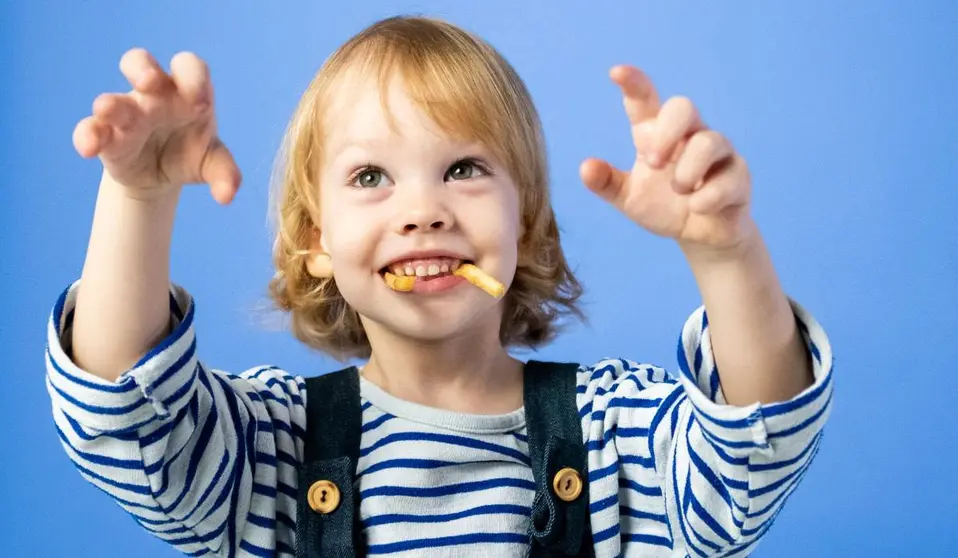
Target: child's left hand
687, 183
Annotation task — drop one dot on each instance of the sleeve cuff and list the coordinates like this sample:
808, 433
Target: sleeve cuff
741, 431
158, 386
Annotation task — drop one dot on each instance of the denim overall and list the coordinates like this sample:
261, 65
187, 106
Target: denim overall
559, 528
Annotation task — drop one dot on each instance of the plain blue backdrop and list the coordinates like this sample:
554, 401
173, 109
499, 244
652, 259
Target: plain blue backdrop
846, 113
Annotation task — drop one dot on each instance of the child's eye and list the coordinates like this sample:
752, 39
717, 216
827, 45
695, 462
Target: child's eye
465, 169
368, 177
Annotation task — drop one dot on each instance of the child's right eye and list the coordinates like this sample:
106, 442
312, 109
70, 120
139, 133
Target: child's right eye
368, 178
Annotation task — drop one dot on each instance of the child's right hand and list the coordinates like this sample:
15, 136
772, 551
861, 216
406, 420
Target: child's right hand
162, 135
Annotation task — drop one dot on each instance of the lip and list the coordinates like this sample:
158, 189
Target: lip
425, 255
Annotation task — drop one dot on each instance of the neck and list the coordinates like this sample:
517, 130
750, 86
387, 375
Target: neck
471, 373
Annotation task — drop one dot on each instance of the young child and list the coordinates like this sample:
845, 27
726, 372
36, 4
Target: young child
415, 232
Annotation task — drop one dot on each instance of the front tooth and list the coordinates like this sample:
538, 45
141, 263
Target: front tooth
410, 271
444, 268
433, 269
421, 271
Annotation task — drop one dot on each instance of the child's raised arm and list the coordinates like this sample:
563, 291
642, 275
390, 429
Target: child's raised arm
198, 457
152, 141
727, 444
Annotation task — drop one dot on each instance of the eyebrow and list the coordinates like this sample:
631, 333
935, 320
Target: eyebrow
370, 143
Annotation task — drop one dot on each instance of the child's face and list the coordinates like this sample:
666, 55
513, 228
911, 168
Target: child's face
388, 193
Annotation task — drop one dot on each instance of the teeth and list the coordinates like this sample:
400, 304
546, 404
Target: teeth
424, 268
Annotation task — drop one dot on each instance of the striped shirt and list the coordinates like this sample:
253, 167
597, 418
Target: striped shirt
207, 460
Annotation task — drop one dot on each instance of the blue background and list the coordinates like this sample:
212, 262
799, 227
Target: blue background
846, 114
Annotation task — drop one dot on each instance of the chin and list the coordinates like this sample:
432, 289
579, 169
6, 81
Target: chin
440, 323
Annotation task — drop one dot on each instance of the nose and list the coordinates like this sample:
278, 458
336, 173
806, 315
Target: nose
424, 210
413, 226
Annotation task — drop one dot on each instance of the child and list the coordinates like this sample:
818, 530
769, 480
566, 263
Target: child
414, 167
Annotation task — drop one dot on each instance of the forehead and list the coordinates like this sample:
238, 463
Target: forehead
367, 108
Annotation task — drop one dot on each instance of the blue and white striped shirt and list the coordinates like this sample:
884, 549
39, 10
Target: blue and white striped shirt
207, 460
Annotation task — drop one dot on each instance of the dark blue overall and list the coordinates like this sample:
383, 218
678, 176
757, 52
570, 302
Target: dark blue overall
559, 528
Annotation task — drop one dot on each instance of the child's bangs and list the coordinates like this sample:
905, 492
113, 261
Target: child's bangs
453, 85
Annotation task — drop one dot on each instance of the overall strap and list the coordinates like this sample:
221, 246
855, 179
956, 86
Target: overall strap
560, 511
327, 510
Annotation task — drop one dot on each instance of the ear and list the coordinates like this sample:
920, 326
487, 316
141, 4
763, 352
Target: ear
319, 264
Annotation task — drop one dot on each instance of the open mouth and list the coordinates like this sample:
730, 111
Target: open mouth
424, 269
404, 275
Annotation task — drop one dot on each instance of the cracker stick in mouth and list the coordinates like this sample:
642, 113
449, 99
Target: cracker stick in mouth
469, 272
481, 279
400, 283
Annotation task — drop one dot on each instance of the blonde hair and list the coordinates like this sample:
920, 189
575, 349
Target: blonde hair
471, 92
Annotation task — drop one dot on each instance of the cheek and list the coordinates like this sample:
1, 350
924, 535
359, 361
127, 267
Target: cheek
516, 221
342, 233
513, 221
507, 233
348, 243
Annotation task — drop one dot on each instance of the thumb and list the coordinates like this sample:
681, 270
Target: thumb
220, 171
605, 180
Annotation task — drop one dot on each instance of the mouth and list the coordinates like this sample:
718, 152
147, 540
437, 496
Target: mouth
437, 274
424, 269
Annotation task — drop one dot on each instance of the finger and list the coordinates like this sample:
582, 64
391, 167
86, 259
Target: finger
726, 188
192, 78
220, 171
704, 150
602, 178
117, 110
143, 72
677, 120
90, 136
642, 135
640, 99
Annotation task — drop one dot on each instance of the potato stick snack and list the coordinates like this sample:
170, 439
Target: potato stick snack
396, 283
481, 279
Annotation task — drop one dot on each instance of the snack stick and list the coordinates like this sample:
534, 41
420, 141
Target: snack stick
400, 283
481, 279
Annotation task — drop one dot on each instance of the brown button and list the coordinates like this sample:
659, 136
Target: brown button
323, 496
567, 484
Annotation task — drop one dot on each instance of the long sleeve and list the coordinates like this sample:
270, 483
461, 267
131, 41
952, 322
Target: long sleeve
731, 469
203, 459
673, 467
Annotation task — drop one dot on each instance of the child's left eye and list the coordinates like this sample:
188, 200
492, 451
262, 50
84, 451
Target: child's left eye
464, 170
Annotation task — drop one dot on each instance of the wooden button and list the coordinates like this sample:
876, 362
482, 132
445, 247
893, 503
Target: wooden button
567, 484
323, 496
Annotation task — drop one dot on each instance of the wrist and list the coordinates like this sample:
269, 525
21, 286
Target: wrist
743, 275
158, 196
135, 213
748, 244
